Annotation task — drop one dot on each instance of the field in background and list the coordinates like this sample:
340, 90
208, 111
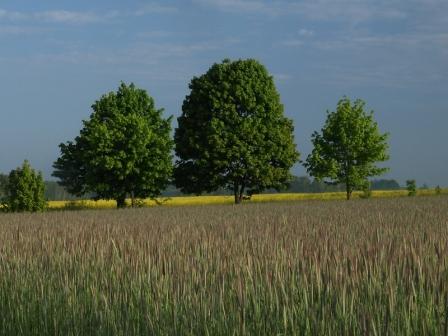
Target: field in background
204, 200
365, 267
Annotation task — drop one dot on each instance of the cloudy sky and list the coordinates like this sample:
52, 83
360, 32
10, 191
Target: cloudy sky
57, 57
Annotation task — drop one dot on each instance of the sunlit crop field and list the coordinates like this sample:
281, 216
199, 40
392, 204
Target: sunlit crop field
209, 200
365, 267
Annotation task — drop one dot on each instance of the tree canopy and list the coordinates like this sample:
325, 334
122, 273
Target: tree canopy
348, 147
123, 150
24, 190
232, 132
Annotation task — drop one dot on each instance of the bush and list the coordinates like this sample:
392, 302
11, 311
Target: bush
438, 190
411, 187
366, 190
25, 190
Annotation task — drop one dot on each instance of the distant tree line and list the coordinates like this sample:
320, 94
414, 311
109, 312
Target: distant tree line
304, 184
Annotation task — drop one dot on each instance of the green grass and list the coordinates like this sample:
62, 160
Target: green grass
376, 267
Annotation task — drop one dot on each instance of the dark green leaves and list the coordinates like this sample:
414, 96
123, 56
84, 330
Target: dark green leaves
232, 132
24, 190
124, 149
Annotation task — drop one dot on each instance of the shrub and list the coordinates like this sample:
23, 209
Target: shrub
411, 187
366, 189
25, 190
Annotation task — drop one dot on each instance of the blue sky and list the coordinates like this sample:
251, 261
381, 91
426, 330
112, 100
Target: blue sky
57, 57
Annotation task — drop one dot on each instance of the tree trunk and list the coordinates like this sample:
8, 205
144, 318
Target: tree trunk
121, 202
238, 193
237, 199
349, 191
132, 200
347, 179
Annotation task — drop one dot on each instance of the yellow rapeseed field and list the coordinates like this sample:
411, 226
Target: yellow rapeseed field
209, 200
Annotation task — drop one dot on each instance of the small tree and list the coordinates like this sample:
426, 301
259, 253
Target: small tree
232, 132
123, 150
411, 187
438, 190
348, 147
25, 190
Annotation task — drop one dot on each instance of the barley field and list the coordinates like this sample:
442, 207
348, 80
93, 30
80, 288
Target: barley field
364, 267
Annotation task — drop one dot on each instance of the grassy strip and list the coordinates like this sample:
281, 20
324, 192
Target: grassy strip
216, 200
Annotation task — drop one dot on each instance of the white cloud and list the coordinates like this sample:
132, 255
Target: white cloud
282, 77
154, 34
18, 30
154, 8
145, 53
411, 41
303, 36
64, 16
238, 6
293, 43
347, 10
385, 60
82, 17
11, 15
353, 10
58, 16
306, 32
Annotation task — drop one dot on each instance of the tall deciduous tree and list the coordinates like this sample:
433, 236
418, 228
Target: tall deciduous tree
232, 132
123, 150
24, 190
348, 147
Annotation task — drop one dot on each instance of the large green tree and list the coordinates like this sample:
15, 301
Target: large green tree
348, 147
24, 190
123, 150
232, 132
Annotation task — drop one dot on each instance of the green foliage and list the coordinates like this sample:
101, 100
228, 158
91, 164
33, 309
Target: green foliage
56, 192
438, 190
24, 190
3, 183
411, 187
348, 147
124, 149
232, 133
366, 190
